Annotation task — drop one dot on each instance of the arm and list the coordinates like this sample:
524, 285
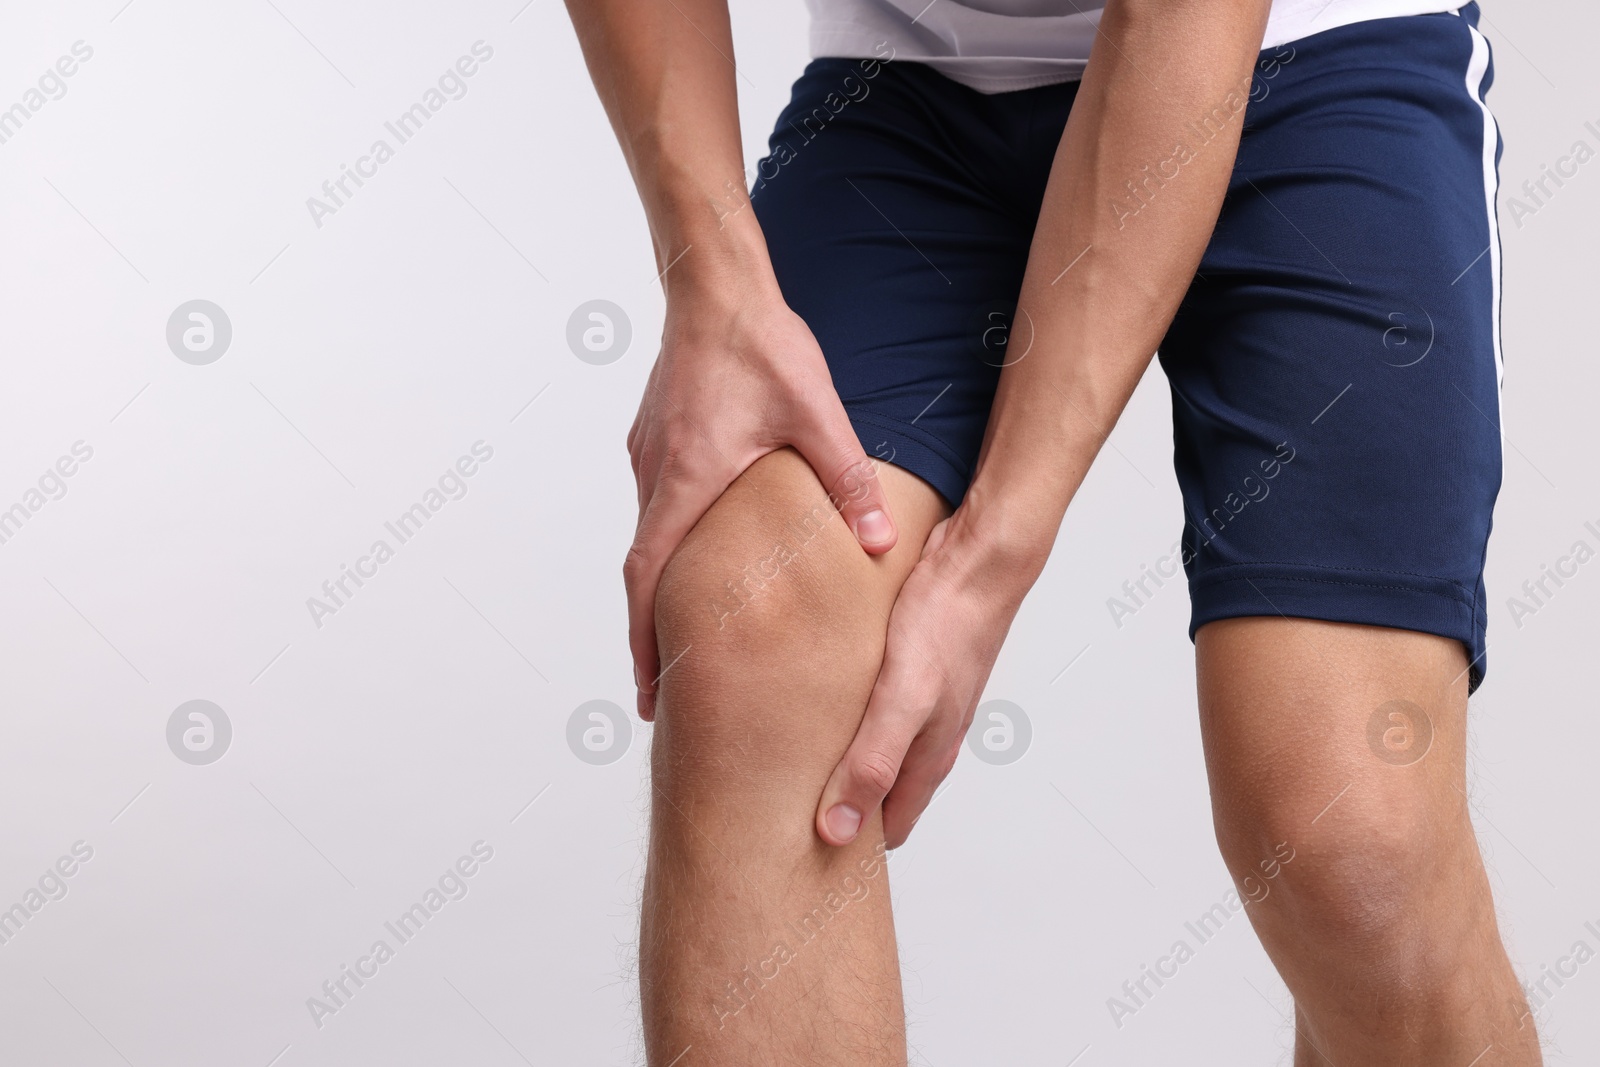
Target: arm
1102, 285
739, 374
1096, 327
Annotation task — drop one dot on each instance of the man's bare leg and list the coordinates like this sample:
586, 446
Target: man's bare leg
759, 944
1337, 759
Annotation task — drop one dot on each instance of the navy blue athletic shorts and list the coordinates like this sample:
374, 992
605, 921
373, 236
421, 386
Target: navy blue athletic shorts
1334, 366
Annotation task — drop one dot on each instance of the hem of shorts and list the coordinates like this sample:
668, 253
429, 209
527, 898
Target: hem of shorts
911, 449
1372, 598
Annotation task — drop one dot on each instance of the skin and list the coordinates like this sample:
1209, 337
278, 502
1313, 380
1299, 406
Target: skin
768, 714
1094, 330
1382, 925
739, 374
768, 689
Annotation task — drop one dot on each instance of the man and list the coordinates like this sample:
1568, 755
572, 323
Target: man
978, 223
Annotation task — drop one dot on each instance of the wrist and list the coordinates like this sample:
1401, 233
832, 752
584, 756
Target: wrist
714, 255
703, 227
1005, 540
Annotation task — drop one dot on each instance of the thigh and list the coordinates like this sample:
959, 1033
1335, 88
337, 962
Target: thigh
898, 207
1335, 368
1302, 719
1336, 756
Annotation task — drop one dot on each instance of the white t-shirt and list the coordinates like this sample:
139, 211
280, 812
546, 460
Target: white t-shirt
996, 46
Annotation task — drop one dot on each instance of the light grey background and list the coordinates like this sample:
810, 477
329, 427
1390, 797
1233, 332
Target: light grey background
368, 754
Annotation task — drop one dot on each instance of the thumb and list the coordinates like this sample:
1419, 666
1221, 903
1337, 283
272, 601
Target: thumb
866, 773
835, 453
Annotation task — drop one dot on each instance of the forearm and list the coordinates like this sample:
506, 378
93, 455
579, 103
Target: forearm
1134, 193
664, 72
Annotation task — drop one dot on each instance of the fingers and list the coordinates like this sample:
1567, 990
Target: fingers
673, 510
872, 764
927, 763
835, 453
640, 573
639, 432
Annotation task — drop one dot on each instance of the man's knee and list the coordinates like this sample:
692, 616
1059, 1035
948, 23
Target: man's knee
748, 581
1352, 887
770, 622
